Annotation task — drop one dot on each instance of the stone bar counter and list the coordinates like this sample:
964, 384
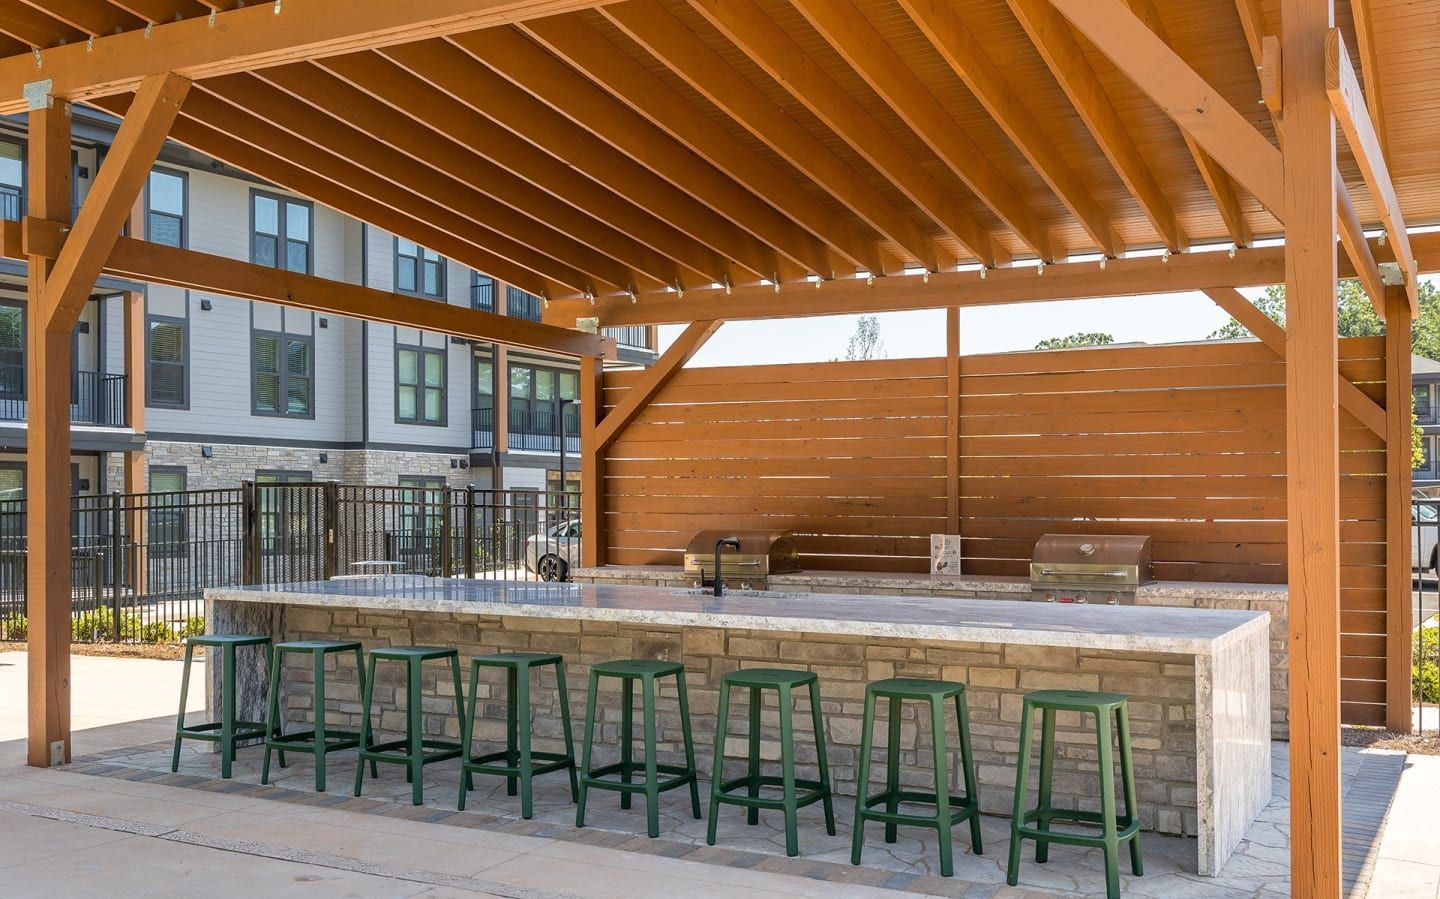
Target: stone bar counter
1197, 679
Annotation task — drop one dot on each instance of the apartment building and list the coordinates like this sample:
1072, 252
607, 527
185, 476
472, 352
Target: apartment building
237, 390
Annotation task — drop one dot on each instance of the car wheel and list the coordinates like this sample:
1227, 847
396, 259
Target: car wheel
553, 568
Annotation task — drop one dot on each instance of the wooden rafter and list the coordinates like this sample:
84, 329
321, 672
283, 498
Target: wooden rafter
689, 57
1357, 248
775, 52
251, 37
856, 40
155, 263
942, 26
157, 12
1361, 13
1205, 116
34, 29
527, 65
85, 15
1270, 333
347, 81
1348, 103
682, 350
457, 73
1055, 42
455, 195
1252, 22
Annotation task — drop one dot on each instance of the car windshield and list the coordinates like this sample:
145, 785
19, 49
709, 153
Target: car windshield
1426, 512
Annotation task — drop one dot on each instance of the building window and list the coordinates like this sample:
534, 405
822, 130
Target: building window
281, 232
521, 304
482, 292
419, 385
12, 181
418, 271
165, 208
12, 354
1423, 407
535, 408
165, 355
285, 515
284, 374
1427, 454
168, 524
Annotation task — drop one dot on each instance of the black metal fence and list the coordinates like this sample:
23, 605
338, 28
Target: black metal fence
140, 563
1425, 554
96, 398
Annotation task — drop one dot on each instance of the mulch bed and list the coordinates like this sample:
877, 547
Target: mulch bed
1379, 738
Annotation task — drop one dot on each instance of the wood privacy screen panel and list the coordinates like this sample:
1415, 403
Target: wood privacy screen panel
1183, 443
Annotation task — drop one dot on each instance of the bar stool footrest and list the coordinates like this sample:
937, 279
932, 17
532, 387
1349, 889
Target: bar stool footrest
679, 776
304, 741
1125, 830
398, 752
211, 730
547, 762
806, 792
961, 809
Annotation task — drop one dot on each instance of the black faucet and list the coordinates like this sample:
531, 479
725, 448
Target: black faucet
721, 544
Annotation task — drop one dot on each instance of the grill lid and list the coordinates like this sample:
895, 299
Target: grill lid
1092, 560
761, 553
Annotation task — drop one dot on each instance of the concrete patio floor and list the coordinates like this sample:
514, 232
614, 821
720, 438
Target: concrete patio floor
117, 821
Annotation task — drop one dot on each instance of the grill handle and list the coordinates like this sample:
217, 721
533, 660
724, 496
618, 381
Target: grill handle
746, 563
1051, 572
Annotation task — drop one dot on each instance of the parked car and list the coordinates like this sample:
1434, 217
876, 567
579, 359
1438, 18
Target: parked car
551, 552
1425, 540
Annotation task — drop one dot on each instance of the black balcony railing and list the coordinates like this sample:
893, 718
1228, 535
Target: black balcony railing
12, 203
482, 426
538, 430
482, 295
520, 304
630, 335
95, 398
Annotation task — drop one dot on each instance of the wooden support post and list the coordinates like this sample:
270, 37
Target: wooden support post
133, 461
592, 463
1398, 611
1312, 430
695, 335
47, 456
952, 420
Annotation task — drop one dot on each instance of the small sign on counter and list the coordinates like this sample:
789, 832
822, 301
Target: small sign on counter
945, 554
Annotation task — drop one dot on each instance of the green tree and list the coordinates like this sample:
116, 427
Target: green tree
1084, 338
865, 343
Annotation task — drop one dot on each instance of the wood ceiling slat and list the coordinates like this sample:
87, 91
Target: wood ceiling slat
89, 16
374, 76
158, 12
34, 28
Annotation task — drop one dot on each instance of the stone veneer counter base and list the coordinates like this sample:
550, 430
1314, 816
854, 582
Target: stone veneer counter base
1198, 677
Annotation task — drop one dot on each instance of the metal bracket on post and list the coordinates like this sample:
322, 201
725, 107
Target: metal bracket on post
331, 493
38, 94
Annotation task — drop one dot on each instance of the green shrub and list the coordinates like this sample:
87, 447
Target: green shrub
193, 627
14, 626
1425, 670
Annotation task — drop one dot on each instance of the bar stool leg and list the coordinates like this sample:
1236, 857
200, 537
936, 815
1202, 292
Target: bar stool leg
362, 680
627, 737
415, 734
689, 744
942, 785
1107, 806
820, 759
467, 734
722, 719
1022, 786
562, 687
1127, 773
892, 769
585, 750
512, 726
521, 716
180, 721
319, 719
1047, 773
752, 815
270, 655
967, 761
862, 778
367, 689
272, 715
227, 710
787, 773
652, 773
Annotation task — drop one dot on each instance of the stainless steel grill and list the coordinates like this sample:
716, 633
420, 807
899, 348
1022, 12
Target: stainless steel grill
1090, 568
761, 554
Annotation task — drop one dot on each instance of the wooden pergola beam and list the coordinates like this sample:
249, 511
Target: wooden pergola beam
1399, 507
89, 17
1252, 267
1343, 90
1352, 398
959, 47
1361, 18
1200, 111
252, 37
686, 345
1056, 44
116, 186
776, 53
1357, 248
34, 28
847, 30
153, 263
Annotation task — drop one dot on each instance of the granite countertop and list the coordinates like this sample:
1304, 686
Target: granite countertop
996, 584
1138, 628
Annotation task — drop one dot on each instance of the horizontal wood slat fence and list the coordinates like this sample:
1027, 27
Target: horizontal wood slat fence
1183, 443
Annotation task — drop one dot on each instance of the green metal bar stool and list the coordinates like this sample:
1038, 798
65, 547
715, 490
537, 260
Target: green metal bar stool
646, 671
950, 810
414, 752
1035, 824
516, 762
319, 741
227, 731
795, 793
